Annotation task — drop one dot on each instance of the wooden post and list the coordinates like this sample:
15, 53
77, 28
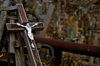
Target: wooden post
19, 53
17, 57
11, 47
2, 22
22, 56
3, 18
29, 62
47, 20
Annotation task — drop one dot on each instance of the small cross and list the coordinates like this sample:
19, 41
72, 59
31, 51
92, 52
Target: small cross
27, 28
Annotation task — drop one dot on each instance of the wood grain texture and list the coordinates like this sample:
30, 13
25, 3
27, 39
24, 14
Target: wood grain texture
8, 8
47, 20
18, 57
19, 46
11, 46
29, 49
12, 17
2, 22
19, 53
3, 18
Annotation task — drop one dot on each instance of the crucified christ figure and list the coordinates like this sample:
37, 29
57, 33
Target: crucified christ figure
29, 32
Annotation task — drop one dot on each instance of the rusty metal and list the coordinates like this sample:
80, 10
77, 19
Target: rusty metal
71, 47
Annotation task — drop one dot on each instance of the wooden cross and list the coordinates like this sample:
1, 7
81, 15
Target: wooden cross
13, 27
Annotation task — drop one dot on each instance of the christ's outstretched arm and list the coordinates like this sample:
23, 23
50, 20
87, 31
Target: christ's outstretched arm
20, 25
34, 24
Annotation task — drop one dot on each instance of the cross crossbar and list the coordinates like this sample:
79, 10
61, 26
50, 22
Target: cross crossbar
13, 27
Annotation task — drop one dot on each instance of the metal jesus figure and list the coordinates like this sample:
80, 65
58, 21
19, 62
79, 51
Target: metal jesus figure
29, 32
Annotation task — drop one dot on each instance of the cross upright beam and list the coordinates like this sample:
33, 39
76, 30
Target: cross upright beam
22, 14
13, 27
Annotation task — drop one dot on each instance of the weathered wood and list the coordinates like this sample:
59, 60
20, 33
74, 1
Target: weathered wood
2, 22
6, 3
8, 8
20, 50
47, 20
3, 18
22, 56
83, 1
34, 57
12, 17
11, 46
42, 16
18, 57
29, 61
30, 3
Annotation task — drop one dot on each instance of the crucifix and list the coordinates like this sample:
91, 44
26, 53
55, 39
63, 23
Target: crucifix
26, 29
29, 32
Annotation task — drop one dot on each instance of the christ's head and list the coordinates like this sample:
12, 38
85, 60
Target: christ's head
27, 25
